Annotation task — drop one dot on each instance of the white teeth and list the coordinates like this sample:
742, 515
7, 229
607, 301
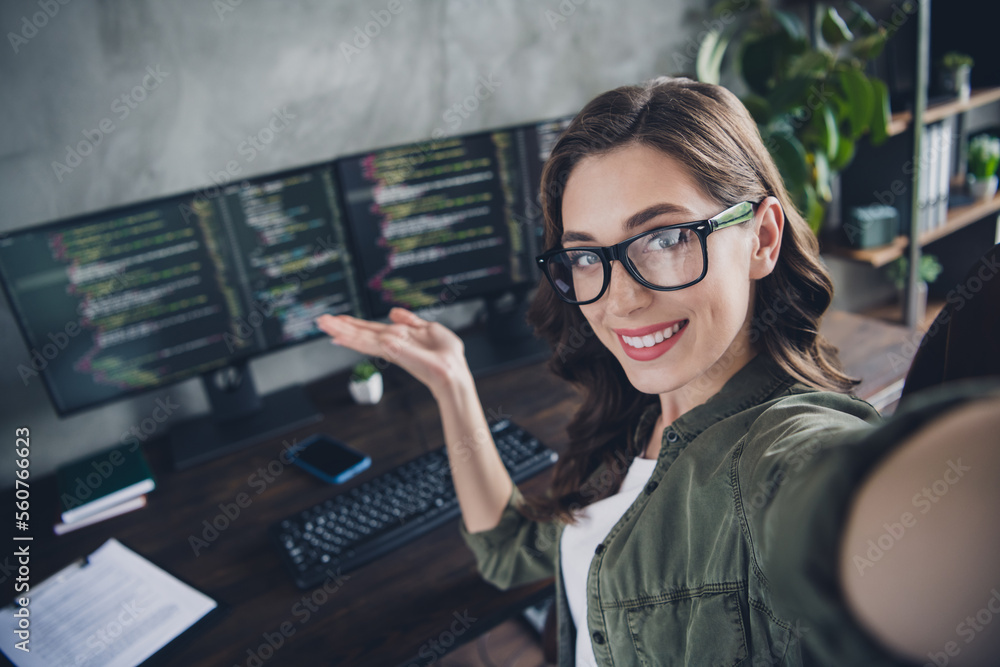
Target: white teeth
650, 340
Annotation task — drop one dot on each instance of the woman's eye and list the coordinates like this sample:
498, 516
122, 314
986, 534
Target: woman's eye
583, 259
664, 239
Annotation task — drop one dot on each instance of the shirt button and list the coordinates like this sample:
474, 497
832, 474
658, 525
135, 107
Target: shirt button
671, 436
650, 487
598, 638
599, 549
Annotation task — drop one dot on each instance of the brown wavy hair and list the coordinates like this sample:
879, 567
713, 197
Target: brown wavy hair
709, 131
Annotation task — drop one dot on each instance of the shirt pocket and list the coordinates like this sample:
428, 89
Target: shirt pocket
703, 628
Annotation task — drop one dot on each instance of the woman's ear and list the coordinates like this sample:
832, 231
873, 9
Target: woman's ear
769, 224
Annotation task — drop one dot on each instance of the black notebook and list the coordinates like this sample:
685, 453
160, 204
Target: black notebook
93, 484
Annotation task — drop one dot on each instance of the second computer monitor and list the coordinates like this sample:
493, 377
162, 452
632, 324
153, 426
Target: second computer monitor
441, 221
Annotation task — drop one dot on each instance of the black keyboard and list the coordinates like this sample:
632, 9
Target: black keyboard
354, 528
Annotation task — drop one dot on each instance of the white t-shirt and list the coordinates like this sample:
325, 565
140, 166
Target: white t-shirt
579, 540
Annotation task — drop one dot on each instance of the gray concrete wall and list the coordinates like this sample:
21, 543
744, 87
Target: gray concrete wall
199, 76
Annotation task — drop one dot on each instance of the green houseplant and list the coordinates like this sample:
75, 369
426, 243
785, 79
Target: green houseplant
928, 271
811, 97
984, 157
366, 383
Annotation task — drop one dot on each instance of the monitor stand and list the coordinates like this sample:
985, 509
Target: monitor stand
504, 340
240, 417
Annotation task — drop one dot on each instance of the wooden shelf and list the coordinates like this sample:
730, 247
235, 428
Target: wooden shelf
901, 120
898, 123
961, 216
879, 256
958, 217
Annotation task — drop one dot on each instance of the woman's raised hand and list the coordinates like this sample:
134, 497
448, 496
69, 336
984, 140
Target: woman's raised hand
429, 351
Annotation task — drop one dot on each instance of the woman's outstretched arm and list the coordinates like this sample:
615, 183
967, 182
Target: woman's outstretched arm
920, 553
435, 356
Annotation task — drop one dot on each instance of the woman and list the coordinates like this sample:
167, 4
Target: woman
720, 485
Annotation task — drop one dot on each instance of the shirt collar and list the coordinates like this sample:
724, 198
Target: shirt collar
750, 385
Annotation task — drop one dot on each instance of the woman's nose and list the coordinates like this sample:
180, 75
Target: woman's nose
625, 295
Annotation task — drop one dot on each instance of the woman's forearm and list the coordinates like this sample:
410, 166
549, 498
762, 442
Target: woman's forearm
482, 483
920, 554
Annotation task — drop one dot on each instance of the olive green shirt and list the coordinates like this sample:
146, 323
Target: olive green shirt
730, 554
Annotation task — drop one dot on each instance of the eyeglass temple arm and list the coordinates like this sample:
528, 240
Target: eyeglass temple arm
732, 216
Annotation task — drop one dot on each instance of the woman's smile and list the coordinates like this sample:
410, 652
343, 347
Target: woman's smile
648, 343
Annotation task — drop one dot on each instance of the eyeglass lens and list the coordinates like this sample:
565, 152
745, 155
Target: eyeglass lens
668, 257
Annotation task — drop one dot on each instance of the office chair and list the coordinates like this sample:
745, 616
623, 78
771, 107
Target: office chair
964, 339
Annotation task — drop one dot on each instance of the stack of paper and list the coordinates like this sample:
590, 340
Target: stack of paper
115, 610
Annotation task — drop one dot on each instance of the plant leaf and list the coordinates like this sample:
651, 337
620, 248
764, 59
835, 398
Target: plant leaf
811, 63
845, 153
869, 46
860, 100
833, 28
708, 65
789, 94
758, 62
790, 157
824, 177
792, 25
881, 113
734, 6
758, 107
862, 22
813, 210
823, 130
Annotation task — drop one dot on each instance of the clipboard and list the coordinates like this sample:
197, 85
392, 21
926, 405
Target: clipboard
116, 607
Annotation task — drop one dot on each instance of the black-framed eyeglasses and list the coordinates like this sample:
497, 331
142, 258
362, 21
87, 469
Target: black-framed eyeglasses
663, 259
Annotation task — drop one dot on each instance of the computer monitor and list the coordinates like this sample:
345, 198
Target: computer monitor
129, 300
539, 140
434, 219
452, 219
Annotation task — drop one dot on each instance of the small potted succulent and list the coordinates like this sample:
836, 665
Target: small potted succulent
956, 74
366, 383
928, 271
984, 157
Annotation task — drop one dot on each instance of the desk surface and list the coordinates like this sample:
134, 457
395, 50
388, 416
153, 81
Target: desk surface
399, 607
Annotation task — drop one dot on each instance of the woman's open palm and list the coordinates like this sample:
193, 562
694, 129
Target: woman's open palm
429, 351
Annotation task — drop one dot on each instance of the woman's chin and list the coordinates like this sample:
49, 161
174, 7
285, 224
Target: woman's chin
651, 380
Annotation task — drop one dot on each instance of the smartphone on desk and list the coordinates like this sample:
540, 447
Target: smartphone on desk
329, 459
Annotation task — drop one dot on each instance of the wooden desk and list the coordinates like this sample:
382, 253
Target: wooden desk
874, 351
386, 613
391, 612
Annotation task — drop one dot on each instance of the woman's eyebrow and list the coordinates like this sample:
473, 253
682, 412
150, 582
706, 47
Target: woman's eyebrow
638, 219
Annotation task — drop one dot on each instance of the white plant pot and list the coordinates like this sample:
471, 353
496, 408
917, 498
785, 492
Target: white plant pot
366, 392
983, 190
957, 81
921, 313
